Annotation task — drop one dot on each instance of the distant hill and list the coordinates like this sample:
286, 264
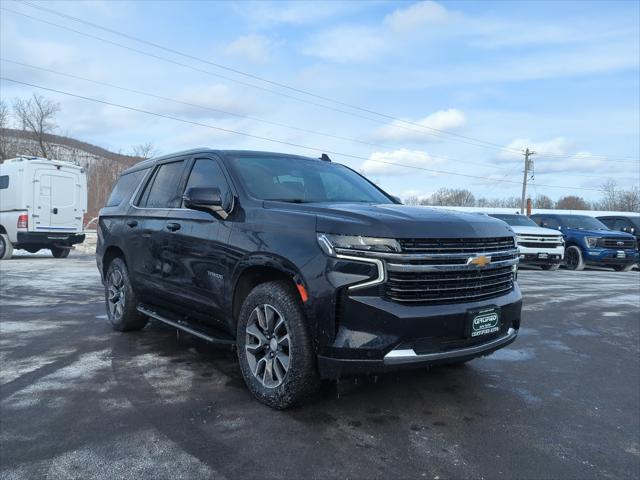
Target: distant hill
102, 166
63, 148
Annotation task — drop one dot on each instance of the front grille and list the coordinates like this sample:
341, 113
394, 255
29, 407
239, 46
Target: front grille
539, 244
448, 287
438, 271
456, 245
612, 242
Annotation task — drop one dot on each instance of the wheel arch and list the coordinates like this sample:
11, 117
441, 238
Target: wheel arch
3, 230
110, 253
260, 269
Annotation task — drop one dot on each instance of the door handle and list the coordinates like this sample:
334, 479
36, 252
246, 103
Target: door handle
55, 210
132, 223
173, 226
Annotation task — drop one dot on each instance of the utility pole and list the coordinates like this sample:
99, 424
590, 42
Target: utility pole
528, 165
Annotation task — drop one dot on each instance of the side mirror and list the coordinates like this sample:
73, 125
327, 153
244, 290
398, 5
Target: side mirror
205, 199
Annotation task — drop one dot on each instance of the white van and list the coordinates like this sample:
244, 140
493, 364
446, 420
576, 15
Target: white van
42, 205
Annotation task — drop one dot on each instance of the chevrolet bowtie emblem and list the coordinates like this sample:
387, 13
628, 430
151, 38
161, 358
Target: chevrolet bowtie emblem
479, 261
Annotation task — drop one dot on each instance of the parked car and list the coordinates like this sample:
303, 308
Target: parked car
42, 205
537, 246
623, 223
589, 242
308, 268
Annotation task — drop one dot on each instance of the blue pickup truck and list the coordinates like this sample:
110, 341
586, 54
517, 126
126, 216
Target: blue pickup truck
588, 241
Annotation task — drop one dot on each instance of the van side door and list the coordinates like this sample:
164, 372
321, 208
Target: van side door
197, 259
147, 239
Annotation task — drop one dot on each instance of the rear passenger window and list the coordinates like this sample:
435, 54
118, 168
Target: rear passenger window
4, 181
125, 186
161, 191
208, 173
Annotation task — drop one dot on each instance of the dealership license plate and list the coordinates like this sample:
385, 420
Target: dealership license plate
484, 322
543, 255
621, 254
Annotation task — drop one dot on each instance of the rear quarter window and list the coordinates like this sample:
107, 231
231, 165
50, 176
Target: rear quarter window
125, 186
4, 182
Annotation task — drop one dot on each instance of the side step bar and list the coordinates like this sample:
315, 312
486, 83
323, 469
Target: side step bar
201, 331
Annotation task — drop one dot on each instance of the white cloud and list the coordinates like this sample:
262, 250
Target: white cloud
446, 120
256, 48
347, 44
556, 146
394, 163
415, 16
205, 100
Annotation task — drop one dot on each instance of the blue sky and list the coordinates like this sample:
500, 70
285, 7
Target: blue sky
560, 77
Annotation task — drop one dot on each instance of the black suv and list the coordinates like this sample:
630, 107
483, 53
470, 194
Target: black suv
308, 268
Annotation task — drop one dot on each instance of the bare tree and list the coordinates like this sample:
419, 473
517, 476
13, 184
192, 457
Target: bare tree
610, 199
5, 141
412, 200
37, 115
571, 202
144, 150
629, 200
451, 197
542, 201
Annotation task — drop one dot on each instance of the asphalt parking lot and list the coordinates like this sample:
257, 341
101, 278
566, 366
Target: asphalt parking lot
78, 400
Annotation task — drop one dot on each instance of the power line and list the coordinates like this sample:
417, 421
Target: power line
258, 137
225, 112
435, 131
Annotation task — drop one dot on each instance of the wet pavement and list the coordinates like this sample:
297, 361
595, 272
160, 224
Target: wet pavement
78, 400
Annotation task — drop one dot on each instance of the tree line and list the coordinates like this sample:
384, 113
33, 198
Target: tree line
613, 199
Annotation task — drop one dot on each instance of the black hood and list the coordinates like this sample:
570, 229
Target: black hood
398, 221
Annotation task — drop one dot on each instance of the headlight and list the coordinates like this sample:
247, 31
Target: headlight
329, 242
591, 242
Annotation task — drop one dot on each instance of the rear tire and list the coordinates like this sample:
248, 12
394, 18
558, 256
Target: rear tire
120, 299
623, 268
6, 248
59, 252
550, 267
573, 258
275, 351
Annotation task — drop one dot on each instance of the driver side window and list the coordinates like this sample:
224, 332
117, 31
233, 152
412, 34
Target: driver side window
208, 173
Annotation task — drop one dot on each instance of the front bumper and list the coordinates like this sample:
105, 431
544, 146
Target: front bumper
376, 335
608, 256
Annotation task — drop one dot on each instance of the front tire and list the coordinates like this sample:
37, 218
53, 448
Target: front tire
59, 252
121, 300
623, 268
573, 258
6, 248
550, 267
275, 351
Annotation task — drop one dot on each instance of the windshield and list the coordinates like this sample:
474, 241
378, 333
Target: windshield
582, 222
515, 220
300, 180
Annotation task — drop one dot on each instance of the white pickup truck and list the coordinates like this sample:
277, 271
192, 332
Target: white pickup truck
42, 205
537, 246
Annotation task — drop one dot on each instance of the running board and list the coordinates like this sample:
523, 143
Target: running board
203, 332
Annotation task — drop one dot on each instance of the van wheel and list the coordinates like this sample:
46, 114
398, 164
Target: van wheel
623, 268
6, 248
276, 356
120, 299
59, 252
573, 258
550, 267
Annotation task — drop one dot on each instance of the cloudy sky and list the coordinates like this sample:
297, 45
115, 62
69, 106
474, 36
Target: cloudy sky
456, 87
